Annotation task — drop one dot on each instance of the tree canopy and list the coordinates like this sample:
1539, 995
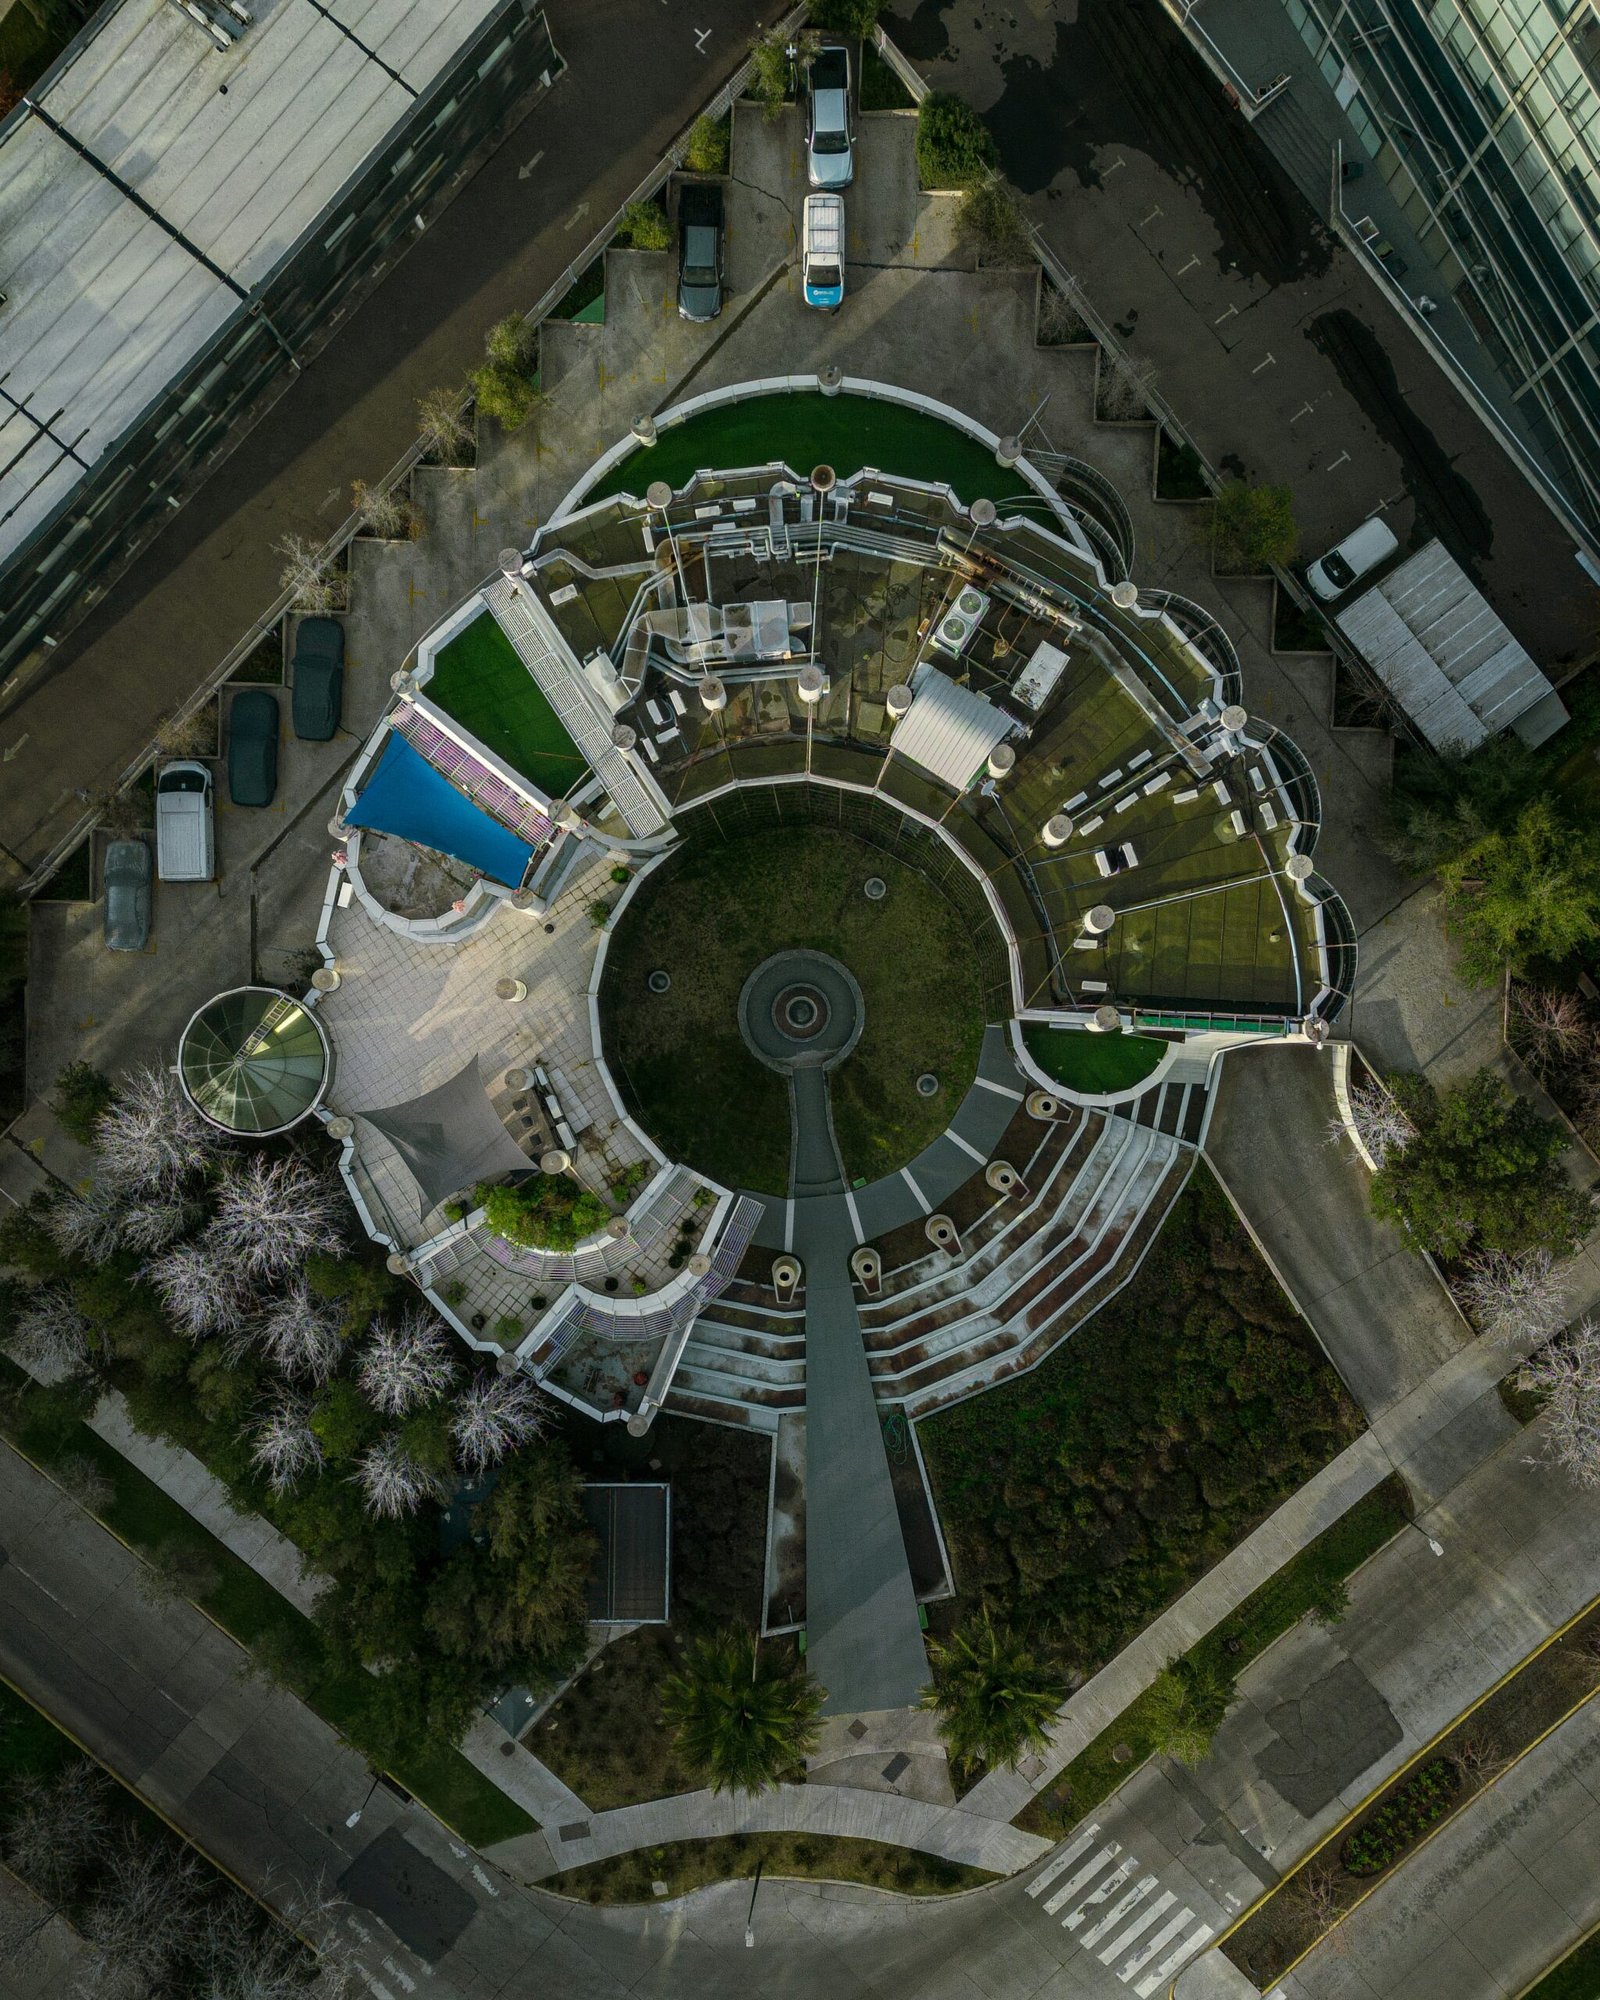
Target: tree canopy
1530, 891
1483, 1172
744, 1716
994, 1697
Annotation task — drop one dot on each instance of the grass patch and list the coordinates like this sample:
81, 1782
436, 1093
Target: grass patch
1094, 1064
708, 917
605, 1737
73, 881
846, 432
1087, 1496
46, 1426
1575, 1977
479, 680
692, 1864
1310, 1583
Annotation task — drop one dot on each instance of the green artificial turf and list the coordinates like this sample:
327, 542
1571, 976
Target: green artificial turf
709, 917
1094, 1064
805, 429
478, 679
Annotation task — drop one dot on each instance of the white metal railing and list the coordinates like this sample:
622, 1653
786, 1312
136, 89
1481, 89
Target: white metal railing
1250, 100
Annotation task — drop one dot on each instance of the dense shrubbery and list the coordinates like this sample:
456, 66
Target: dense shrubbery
220, 1291
1253, 528
1526, 892
1482, 1172
954, 146
1083, 1498
1403, 1819
550, 1213
505, 384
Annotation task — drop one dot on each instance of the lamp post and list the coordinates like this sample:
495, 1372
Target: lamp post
750, 1914
355, 1817
1432, 1542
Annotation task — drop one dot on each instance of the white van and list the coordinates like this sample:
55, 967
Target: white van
822, 251
186, 847
1333, 574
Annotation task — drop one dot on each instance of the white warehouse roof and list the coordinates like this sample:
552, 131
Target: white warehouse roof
108, 303
1432, 638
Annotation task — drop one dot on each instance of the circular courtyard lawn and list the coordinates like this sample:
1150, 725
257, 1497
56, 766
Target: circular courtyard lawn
708, 917
1096, 1065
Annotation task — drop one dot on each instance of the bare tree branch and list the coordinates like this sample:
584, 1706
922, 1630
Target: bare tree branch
406, 1364
495, 1414
271, 1215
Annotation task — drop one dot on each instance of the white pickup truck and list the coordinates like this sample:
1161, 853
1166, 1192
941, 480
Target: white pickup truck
822, 251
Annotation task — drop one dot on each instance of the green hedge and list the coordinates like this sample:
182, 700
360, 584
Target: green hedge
1419, 1805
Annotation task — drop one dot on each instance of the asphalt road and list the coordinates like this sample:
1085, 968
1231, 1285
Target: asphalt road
637, 73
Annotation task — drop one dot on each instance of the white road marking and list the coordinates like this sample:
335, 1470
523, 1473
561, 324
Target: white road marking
1103, 1893
1062, 1859
999, 1089
398, 1972
1084, 1877
1157, 1944
971, 1152
1119, 1910
1167, 1970
922, 1200
483, 1881
1117, 1946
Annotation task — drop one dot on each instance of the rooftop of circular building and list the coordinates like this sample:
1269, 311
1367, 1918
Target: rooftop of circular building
253, 1061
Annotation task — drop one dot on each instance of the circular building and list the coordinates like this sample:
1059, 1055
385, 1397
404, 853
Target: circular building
253, 1061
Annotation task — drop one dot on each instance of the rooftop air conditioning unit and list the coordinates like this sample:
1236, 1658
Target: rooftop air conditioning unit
953, 634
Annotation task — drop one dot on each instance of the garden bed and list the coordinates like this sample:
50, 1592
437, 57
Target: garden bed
604, 1736
1310, 1584
1465, 1760
1085, 1497
479, 679
684, 1865
709, 917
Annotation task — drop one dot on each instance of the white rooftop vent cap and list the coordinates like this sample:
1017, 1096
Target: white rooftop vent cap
1234, 717
812, 686
510, 561
1106, 1018
1125, 595
624, 737
823, 479
1298, 867
898, 702
644, 430
983, 513
713, 694
1058, 830
659, 494
1002, 761
1099, 920
555, 1161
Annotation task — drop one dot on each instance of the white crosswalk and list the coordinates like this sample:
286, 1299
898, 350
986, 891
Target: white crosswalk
1130, 1925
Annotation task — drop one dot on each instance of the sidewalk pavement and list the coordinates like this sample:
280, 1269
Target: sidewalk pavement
1489, 1902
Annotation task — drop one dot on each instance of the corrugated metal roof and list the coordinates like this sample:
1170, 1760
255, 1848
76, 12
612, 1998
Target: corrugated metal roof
948, 731
106, 306
1434, 640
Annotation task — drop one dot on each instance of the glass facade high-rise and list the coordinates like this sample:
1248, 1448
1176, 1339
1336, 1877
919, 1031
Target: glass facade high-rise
1483, 116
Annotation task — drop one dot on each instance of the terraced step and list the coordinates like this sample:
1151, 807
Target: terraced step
734, 1360
716, 1410
1001, 1317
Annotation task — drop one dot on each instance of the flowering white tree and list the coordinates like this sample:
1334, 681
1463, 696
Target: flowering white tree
407, 1363
283, 1445
152, 1138
87, 1222
201, 1288
49, 1336
299, 1334
1383, 1126
1515, 1296
1566, 1372
150, 1222
272, 1214
493, 1415
392, 1481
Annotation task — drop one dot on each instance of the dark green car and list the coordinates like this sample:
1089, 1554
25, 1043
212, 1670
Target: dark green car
318, 693
253, 748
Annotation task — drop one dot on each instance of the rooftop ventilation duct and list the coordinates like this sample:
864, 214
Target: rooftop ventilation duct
223, 20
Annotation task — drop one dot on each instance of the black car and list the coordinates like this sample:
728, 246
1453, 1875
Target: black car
253, 748
700, 250
318, 693
127, 895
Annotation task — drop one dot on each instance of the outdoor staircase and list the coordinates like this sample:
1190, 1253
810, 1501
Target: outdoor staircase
747, 1366
1176, 1107
967, 1323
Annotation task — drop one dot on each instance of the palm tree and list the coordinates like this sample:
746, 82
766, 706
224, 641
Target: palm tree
744, 1717
1183, 1706
995, 1698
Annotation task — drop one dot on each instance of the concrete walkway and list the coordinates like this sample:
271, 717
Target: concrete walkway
1491, 1900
